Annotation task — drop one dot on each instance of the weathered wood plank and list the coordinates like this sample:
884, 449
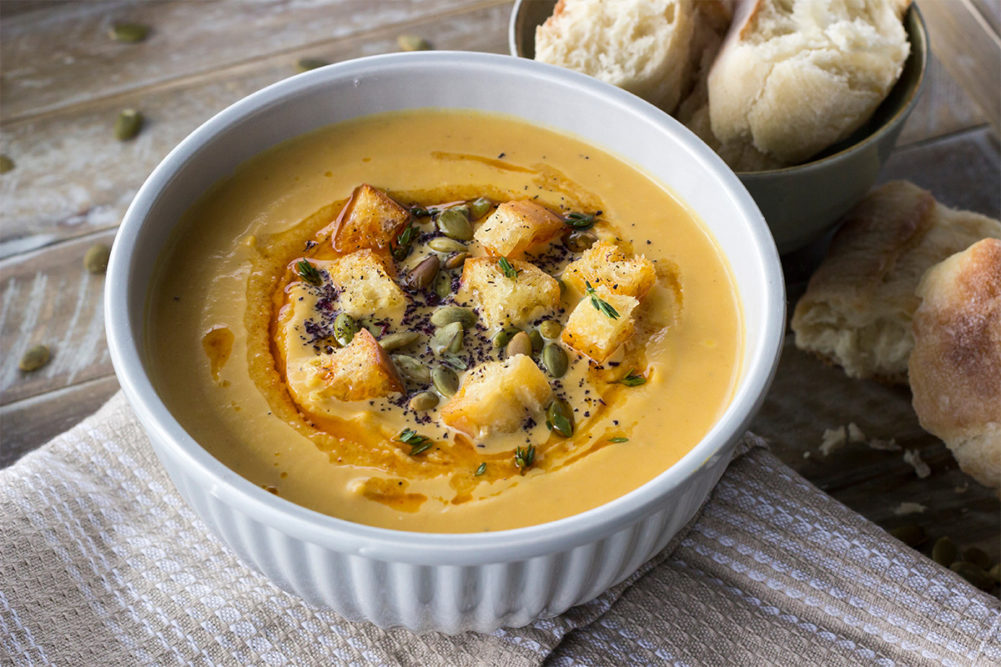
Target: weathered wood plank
42, 74
47, 297
74, 178
943, 108
990, 12
29, 424
969, 50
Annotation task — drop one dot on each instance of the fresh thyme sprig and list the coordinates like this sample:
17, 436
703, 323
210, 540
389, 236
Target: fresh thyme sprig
579, 220
632, 379
308, 272
418, 443
599, 303
524, 458
508, 270
403, 241
480, 469
618, 439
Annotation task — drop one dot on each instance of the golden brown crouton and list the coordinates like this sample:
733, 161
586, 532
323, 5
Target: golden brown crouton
505, 300
498, 396
605, 264
518, 226
591, 330
370, 219
360, 371
365, 287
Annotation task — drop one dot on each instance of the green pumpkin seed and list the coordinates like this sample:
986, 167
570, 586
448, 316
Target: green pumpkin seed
446, 245
559, 417
454, 224
551, 329
426, 400
345, 328
411, 369
445, 381
424, 273
443, 285
96, 258
910, 534
973, 574
995, 572
128, 33
520, 343
6, 164
579, 241
944, 552
128, 124
456, 260
34, 358
479, 207
447, 339
413, 43
395, 341
306, 64
503, 337
448, 314
554, 359
978, 557
537, 341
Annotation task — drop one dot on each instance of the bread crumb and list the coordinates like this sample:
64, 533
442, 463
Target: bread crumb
855, 434
884, 445
913, 458
833, 439
806, 455
906, 508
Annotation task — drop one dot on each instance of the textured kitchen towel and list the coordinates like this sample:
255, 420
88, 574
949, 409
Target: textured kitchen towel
102, 563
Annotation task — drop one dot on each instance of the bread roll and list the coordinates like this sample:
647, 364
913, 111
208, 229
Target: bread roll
858, 306
639, 45
955, 368
795, 76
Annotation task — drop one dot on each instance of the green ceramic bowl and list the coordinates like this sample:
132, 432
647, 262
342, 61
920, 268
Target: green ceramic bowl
801, 202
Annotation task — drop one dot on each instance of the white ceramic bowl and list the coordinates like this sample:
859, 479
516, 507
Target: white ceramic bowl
450, 583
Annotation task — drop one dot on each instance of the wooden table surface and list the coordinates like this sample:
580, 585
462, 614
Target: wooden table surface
64, 82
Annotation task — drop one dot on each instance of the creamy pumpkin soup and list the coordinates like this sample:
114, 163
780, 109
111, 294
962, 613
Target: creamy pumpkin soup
444, 321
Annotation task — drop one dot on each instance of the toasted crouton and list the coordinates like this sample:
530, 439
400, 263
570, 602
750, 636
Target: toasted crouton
503, 300
604, 264
498, 396
516, 227
365, 288
595, 334
370, 219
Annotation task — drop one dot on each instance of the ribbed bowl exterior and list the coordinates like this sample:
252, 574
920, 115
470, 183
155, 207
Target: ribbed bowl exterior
445, 598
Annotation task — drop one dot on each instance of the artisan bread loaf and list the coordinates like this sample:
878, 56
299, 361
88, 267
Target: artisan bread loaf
955, 368
639, 45
795, 76
858, 306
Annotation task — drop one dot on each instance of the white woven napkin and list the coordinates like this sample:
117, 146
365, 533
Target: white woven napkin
102, 563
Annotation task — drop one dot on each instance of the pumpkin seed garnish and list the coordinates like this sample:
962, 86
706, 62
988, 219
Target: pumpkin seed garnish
579, 241
418, 443
306, 64
559, 418
447, 339
520, 343
448, 314
96, 258
579, 220
345, 328
34, 358
599, 303
503, 337
424, 273
395, 341
413, 43
479, 207
551, 329
457, 260
443, 285
524, 458
445, 381
446, 245
128, 124
423, 401
411, 369
506, 267
308, 272
455, 362
633, 379
537, 341
128, 33
554, 359
6, 164
480, 469
454, 224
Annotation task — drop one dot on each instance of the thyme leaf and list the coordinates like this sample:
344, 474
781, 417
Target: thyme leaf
308, 272
482, 468
599, 303
403, 241
418, 443
579, 220
524, 458
508, 270
618, 439
632, 379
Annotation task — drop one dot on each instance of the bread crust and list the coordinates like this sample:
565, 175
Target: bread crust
955, 367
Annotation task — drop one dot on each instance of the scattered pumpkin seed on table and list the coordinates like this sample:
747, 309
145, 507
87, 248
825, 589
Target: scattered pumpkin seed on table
96, 258
413, 43
6, 164
128, 124
306, 64
944, 552
34, 358
128, 33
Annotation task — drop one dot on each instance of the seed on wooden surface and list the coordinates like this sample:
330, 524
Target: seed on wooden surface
445, 381
306, 64
425, 400
34, 358
6, 164
944, 552
554, 359
395, 341
128, 33
520, 343
413, 43
96, 258
128, 124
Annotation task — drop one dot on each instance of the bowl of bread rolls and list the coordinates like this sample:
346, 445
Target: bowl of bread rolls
803, 99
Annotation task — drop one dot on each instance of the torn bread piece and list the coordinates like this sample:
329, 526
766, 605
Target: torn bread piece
365, 288
498, 396
857, 308
370, 219
502, 299
604, 264
600, 323
517, 227
955, 368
